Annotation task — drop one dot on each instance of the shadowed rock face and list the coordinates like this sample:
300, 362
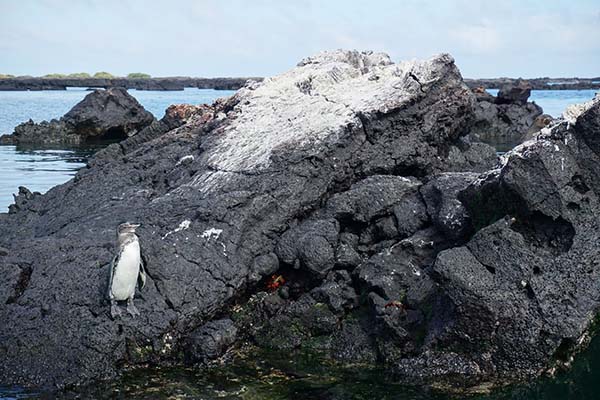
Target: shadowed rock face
111, 114
350, 177
517, 93
524, 287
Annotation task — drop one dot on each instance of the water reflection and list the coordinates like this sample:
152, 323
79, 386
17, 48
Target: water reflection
259, 375
15, 393
271, 375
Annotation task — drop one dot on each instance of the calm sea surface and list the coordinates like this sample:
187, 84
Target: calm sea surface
554, 101
282, 378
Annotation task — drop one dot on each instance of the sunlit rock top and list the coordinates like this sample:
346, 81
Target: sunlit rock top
319, 98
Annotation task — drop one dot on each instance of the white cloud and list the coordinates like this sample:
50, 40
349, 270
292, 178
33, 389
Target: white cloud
478, 39
263, 37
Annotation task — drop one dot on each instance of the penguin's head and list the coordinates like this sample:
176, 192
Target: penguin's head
127, 227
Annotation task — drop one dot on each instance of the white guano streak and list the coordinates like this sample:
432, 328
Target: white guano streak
182, 226
277, 113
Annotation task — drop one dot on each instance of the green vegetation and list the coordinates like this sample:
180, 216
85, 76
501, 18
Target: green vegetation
54, 76
138, 75
81, 75
103, 75
85, 75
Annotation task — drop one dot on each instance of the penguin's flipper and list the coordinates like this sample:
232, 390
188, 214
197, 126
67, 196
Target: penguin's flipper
113, 265
142, 275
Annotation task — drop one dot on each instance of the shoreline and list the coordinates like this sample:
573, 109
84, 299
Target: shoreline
537, 83
161, 84
180, 83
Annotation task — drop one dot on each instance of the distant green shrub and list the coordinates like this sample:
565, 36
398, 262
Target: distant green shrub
81, 75
138, 75
103, 75
6, 76
54, 76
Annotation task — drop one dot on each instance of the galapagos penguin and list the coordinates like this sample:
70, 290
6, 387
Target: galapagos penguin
126, 270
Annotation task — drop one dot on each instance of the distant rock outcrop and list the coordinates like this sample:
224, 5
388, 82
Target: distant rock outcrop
103, 115
538, 83
172, 83
507, 119
514, 94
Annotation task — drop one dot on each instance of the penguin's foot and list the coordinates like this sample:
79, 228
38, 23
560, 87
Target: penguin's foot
131, 309
115, 311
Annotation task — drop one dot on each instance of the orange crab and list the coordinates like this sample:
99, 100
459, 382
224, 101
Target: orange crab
397, 304
275, 282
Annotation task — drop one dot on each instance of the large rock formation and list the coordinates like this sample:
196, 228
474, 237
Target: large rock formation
507, 119
111, 114
214, 198
335, 208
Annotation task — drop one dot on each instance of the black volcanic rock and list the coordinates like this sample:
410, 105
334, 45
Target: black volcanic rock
523, 288
447, 213
330, 209
111, 114
175, 116
507, 119
107, 113
214, 197
210, 341
517, 93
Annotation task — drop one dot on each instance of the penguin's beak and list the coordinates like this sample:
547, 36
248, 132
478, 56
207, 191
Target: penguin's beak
135, 226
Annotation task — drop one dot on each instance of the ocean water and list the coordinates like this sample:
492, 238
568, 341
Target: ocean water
291, 376
554, 101
40, 169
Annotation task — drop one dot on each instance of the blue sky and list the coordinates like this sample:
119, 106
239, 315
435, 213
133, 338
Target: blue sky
264, 37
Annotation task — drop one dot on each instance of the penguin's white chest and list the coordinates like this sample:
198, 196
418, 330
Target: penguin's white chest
126, 272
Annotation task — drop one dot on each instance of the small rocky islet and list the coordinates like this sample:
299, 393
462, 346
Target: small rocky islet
104, 115
345, 208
